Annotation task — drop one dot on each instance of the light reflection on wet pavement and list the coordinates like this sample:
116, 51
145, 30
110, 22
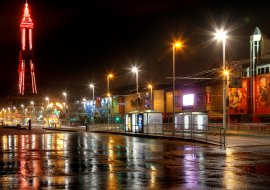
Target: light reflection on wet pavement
106, 161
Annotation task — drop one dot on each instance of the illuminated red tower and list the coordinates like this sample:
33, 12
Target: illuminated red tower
26, 70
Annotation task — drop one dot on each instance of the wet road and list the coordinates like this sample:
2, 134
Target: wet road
104, 161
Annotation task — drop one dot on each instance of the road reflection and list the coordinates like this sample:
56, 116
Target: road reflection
104, 161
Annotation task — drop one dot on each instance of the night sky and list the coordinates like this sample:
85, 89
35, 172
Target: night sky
78, 42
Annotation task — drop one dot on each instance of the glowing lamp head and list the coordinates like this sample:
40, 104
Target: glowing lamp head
92, 86
178, 44
134, 69
150, 86
108, 94
226, 72
221, 35
110, 75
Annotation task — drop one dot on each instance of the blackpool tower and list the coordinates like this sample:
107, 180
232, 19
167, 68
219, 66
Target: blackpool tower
26, 70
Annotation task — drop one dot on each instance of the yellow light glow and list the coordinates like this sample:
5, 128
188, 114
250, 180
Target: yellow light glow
110, 75
59, 105
226, 72
178, 44
108, 94
150, 86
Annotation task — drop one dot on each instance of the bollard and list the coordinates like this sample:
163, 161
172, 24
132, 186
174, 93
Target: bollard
29, 124
86, 127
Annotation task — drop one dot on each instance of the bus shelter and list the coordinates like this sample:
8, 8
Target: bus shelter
137, 122
188, 120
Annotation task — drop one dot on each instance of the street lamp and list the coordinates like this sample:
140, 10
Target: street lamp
93, 100
175, 46
221, 36
33, 103
33, 107
48, 100
23, 112
135, 70
65, 96
109, 76
151, 95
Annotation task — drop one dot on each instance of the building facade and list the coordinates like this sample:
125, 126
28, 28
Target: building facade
248, 91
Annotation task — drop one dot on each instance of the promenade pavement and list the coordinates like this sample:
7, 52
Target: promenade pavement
233, 138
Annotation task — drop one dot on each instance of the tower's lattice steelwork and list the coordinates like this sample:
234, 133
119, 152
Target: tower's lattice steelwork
26, 70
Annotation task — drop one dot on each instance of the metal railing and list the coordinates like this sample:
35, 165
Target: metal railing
204, 133
245, 128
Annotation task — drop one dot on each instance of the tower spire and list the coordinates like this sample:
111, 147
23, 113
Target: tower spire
26, 10
27, 81
26, 21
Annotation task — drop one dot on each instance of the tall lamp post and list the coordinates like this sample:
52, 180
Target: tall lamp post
65, 96
109, 76
32, 114
150, 86
221, 36
22, 106
175, 46
93, 100
135, 70
33, 106
48, 101
23, 113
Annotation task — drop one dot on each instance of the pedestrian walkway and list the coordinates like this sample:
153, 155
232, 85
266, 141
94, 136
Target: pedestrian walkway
233, 139
243, 140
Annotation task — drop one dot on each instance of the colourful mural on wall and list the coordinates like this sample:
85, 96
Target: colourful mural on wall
263, 93
115, 105
238, 99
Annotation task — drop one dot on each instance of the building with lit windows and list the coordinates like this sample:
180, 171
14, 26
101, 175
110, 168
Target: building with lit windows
248, 90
